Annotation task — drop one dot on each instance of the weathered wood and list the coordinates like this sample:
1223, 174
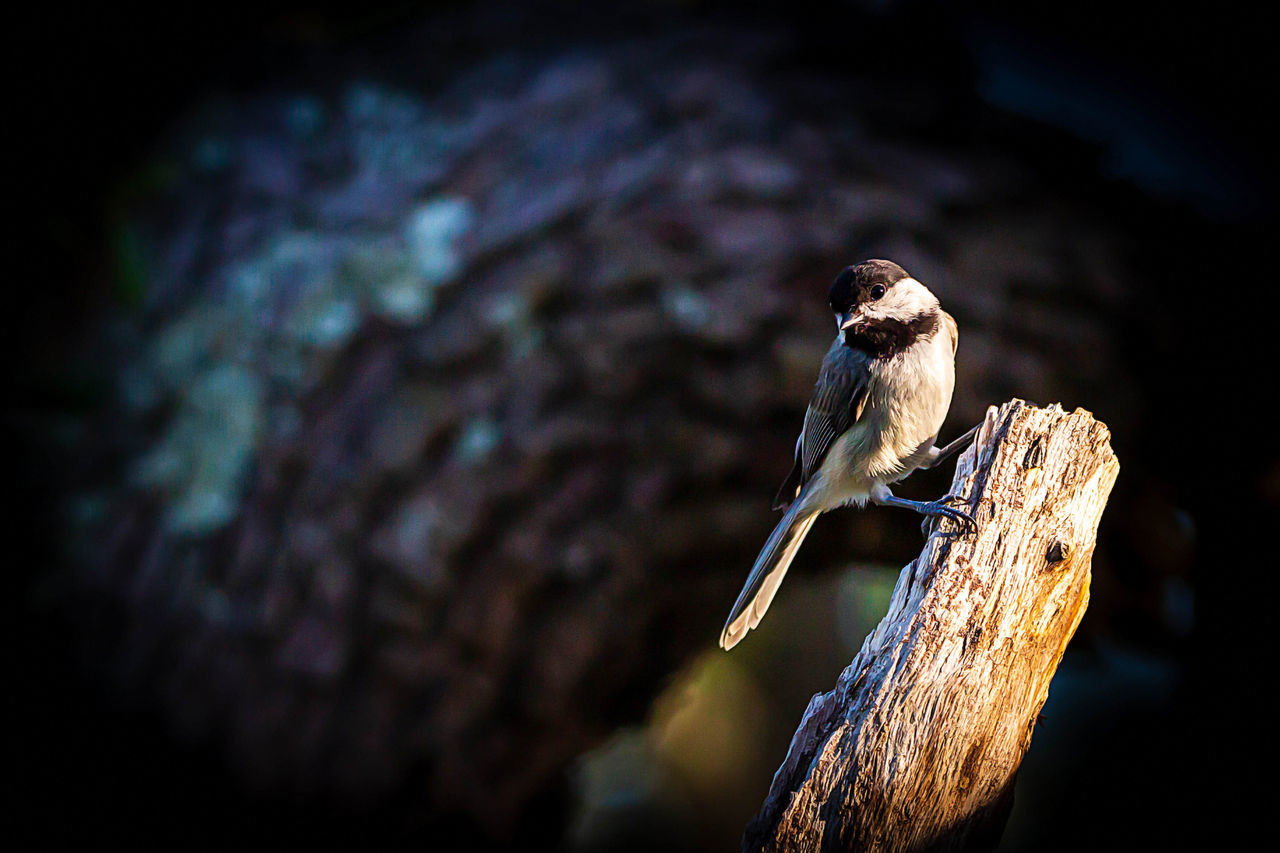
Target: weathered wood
918, 745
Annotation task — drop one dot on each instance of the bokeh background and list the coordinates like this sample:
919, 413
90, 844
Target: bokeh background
397, 396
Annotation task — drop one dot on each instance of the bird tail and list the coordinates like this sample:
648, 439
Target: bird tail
767, 574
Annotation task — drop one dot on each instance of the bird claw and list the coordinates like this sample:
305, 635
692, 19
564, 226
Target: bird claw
940, 509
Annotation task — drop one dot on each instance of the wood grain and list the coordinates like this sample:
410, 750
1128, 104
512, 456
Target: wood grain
918, 745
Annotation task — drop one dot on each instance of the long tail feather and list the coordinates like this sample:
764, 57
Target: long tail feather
767, 574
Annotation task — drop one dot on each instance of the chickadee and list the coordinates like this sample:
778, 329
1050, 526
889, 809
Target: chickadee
880, 399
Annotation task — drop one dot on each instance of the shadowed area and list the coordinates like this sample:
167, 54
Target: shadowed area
402, 415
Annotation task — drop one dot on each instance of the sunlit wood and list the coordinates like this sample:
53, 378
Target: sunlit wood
918, 745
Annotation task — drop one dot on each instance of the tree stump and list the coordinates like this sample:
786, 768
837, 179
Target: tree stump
918, 745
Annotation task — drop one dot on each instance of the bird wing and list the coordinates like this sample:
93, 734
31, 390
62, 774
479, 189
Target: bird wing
838, 399
953, 331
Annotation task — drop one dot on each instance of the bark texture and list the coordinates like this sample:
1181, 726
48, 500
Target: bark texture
447, 415
918, 745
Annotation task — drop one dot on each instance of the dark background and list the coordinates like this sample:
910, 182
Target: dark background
92, 93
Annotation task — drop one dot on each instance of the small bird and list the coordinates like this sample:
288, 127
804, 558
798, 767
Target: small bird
880, 400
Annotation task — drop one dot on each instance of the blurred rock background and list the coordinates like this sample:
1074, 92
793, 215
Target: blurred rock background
401, 414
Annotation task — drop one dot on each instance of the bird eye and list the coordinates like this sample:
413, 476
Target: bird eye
877, 291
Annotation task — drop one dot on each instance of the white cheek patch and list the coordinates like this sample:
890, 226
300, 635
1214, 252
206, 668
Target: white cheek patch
908, 296
908, 290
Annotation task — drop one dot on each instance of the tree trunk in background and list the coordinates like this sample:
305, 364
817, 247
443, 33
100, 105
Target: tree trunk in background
445, 422
918, 745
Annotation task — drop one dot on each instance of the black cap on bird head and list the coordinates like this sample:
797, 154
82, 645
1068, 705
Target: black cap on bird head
854, 283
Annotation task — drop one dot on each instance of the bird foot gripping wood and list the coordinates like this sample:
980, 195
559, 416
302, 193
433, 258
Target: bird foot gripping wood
918, 744
949, 506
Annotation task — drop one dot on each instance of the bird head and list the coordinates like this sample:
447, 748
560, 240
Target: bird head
875, 294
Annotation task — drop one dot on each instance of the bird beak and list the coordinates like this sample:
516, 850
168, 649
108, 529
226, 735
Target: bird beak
850, 318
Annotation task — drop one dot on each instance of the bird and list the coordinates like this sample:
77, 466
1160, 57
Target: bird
880, 400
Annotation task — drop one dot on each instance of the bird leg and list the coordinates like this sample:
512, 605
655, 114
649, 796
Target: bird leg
938, 455
927, 525
881, 496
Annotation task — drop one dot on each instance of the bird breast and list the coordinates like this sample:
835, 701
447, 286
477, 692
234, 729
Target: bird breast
907, 400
